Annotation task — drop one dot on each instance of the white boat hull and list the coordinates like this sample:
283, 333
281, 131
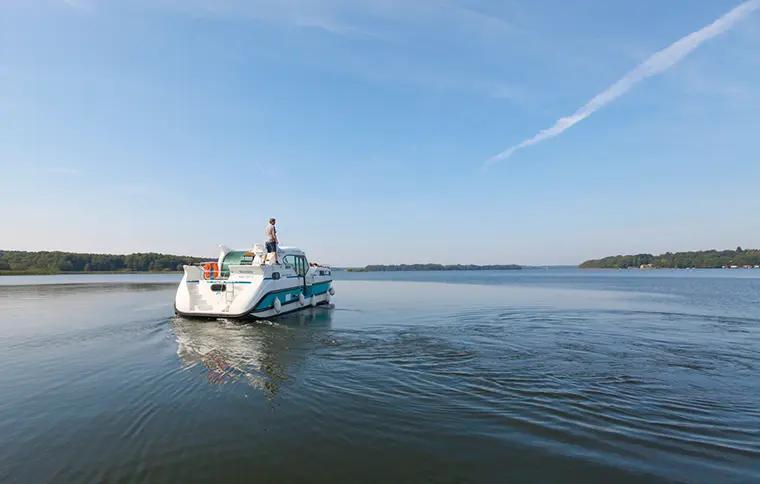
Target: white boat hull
253, 290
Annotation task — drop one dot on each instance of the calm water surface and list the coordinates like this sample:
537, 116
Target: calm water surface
530, 376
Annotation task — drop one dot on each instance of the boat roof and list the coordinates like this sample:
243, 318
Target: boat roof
290, 250
259, 249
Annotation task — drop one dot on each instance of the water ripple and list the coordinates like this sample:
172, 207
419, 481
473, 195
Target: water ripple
606, 390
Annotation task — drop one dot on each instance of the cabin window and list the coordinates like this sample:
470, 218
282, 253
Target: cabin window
297, 263
289, 260
302, 265
275, 275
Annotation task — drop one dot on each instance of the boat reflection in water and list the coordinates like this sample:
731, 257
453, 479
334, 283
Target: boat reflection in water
258, 353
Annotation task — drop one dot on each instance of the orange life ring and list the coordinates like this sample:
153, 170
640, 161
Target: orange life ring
208, 268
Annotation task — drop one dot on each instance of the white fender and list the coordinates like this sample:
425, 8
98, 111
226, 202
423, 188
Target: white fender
277, 305
301, 299
332, 291
327, 297
313, 299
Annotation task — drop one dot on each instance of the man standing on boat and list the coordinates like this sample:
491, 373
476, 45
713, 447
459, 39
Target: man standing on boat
272, 240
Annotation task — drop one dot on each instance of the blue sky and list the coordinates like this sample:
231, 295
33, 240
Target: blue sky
365, 127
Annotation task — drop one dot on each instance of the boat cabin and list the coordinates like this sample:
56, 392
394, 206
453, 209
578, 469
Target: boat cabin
289, 258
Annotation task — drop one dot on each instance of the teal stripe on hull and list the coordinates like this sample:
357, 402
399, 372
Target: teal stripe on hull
268, 301
317, 289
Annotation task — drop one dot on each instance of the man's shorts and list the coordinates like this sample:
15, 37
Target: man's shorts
271, 247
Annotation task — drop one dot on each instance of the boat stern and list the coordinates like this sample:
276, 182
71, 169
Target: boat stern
199, 294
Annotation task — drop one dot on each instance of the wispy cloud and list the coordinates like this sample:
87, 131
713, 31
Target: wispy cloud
436, 79
57, 170
78, 4
331, 16
429, 44
656, 64
347, 17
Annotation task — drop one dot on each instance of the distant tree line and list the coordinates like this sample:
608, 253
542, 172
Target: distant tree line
59, 262
435, 267
706, 259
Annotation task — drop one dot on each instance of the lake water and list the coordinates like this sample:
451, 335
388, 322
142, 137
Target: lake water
493, 377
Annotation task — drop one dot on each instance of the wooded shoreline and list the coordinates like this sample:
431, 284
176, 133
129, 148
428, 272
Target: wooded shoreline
43, 273
24, 263
704, 259
15, 262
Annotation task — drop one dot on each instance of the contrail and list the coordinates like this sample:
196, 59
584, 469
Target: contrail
656, 64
